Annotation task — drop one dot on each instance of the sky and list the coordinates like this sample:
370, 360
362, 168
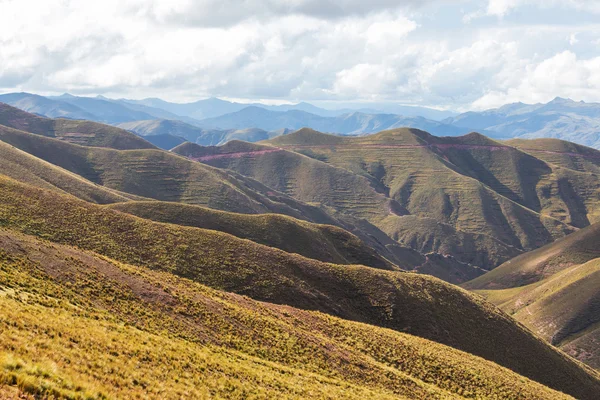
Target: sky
458, 55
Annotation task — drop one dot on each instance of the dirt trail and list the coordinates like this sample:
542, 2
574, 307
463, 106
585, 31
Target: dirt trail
442, 146
234, 155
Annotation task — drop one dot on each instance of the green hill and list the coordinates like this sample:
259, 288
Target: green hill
161, 175
82, 326
404, 302
555, 291
471, 197
86, 133
26, 168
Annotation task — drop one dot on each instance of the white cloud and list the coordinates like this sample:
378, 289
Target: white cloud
562, 75
293, 50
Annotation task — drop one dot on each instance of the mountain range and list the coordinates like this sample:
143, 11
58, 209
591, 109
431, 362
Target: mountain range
278, 271
214, 121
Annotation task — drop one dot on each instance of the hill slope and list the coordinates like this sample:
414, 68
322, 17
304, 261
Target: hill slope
105, 329
555, 291
416, 304
451, 196
320, 242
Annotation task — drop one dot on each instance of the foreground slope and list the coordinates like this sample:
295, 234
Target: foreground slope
416, 304
83, 326
555, 291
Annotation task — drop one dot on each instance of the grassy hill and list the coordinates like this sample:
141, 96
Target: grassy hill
163, 176
531, 267
554, 291
86, 133
87, 326
455, 196
24, 167
404, 302
320, 242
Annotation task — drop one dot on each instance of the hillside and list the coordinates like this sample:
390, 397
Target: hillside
26, 168
575, 249
107, 329
351, 199
554, 291
321, 242
162, 176
561, 153
85, 133
395, 300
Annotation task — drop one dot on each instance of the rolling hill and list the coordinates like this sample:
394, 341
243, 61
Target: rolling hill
321, 242
470, 197
404, 302
554, 291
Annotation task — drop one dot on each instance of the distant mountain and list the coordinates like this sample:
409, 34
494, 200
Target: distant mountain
565, 119
355, 123
213, 107
108, 111
205, 137
44, 106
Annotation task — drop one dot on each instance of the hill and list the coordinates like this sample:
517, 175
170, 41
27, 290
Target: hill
554, 291
352, 199
411, 303
575, 249
43, 106
85, 133
163, 176
320, 242
107, 329
451, 196
26, 168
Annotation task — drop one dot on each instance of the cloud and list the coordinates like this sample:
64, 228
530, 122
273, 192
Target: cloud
411, 52
205, 13
563, 75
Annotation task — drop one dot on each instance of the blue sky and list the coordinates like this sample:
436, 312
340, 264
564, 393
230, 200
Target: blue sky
449, 54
